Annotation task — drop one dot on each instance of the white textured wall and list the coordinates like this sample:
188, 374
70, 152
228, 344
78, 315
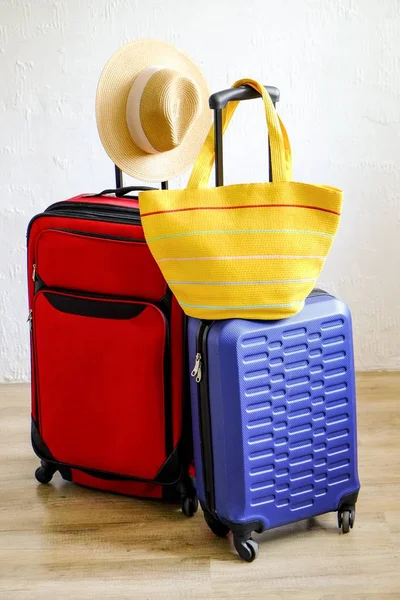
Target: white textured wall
337, 63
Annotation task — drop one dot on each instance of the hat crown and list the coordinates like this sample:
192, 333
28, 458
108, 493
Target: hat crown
162, 106
170, 104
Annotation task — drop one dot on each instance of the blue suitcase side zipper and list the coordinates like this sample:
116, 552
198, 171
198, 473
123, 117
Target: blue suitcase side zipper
200, 373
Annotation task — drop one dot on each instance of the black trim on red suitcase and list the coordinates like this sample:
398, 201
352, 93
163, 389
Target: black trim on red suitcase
84, 211
86, 307
167, 475
96, 210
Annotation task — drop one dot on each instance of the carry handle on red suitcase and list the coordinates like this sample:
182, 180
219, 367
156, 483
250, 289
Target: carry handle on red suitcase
121, 192
217, 103
119, 181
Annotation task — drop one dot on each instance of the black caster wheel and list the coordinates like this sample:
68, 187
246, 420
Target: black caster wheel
352, 517
247, 550
189, 505
217, 527
43, 475
346, 519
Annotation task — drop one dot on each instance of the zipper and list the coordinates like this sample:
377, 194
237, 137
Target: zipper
124, 217
95, 209
35, 275
33, 363
197, 368
103, 236
161, 304
102, 207
90, 234
200, 373
186, 429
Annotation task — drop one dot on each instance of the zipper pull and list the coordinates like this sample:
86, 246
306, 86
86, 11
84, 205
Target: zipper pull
34, 272
29, 319
197, 368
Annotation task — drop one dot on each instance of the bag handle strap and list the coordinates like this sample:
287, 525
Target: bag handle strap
281, 155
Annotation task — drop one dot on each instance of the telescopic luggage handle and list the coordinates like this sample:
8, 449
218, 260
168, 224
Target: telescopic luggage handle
217, 103
119, 181
219, 100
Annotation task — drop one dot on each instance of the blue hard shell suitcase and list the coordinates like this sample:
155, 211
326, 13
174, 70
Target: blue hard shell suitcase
274, 420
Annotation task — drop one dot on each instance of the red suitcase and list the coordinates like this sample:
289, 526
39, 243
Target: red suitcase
109, 395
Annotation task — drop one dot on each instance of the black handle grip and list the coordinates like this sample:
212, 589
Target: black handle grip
120, 192
220, 99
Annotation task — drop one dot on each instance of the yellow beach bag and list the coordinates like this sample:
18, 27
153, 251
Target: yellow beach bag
250, 251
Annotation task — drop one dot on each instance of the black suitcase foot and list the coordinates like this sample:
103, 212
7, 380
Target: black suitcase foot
44, 473
189, 505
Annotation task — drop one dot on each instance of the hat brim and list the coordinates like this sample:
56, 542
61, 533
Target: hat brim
111, 97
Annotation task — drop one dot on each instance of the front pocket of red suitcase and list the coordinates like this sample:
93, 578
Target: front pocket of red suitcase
101, 264
100, 382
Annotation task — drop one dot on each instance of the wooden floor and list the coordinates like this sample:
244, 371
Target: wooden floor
61, 541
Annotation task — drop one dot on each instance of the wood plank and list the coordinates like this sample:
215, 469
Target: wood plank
66, 542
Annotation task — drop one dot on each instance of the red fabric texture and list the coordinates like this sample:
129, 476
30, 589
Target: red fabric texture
81, 262
33, 382
101, 412
127, 488
100, 384
49, 221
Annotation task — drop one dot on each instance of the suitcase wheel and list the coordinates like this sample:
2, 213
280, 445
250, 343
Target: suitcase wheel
247, 549
217, 527
346, 519
189, 505
44, 473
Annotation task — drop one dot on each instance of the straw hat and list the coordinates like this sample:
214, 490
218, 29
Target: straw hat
152, 110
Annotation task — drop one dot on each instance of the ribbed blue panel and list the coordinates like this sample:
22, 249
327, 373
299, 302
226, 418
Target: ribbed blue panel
283, 414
